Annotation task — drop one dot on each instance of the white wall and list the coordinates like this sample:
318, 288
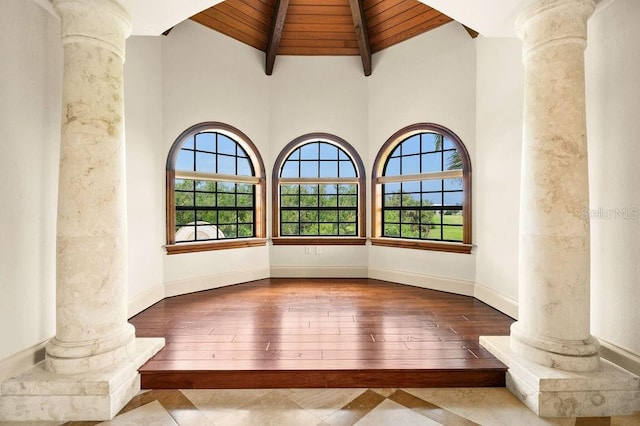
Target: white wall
210, 77
497, 170
145, 170
613, 104
429, 78
317, 94
207, 76
30, 102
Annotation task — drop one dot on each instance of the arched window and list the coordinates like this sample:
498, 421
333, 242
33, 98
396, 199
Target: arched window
318, 192
215, 190
422, 191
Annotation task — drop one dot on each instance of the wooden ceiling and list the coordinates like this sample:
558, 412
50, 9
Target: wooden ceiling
321, 27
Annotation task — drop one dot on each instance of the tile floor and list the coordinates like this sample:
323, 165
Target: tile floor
334, 407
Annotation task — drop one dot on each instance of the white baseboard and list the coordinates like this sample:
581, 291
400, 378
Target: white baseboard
619, 356
147, 298
22, 361
432, 282
319, 271
208, 282
496, 300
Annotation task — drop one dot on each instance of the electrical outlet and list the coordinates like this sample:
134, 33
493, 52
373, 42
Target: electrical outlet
307, 250
318, 250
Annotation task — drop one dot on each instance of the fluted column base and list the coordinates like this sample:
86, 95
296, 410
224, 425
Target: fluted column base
41, 395
548, 392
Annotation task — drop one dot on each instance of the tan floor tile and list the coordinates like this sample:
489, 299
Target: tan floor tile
184, 412
486, 406
632, 420
271, 409
392, 413
430, 410
593, 421
355, 410
152, 413
322, 402
217, 403
384, 391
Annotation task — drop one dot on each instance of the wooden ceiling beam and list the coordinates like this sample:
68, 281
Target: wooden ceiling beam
275, 33
360, 26
472, 33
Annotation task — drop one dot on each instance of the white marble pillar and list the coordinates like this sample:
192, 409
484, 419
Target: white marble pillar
91, 325
554, 363
553, 322
91, 366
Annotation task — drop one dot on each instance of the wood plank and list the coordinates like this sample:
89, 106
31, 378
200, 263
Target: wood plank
314, 27
266, 379
306, 364
320, 2
402, 22
397, 9
257, 10
239, 17
318, 333
320, 44
319, 19
317, 9
387, 40
320, 51
374, 9
254, 38
368, 4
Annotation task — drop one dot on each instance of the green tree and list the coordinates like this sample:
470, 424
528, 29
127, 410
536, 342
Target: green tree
406, 221
454, 162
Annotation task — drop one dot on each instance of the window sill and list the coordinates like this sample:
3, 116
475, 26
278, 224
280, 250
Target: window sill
319, 241
215, 245
423, 245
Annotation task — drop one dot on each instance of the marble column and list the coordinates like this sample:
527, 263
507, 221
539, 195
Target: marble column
91, 304
90, 367
553, 321
554, 363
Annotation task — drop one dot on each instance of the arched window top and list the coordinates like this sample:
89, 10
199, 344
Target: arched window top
215, 148
318, 159
318, 192
215, 190
213, 152
421, 190
319, 155
417, 148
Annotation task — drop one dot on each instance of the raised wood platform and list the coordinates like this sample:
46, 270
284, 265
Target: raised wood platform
297, 333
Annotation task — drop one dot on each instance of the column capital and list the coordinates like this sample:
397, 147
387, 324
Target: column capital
102, 22
546, 23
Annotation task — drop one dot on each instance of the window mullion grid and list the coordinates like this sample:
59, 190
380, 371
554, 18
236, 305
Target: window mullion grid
318, 194
300, 203
384, 207
217, 156
442, 189
195, 168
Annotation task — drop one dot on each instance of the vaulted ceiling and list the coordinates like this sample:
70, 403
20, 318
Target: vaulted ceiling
322, 27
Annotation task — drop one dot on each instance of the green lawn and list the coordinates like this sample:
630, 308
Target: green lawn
452, 232
409, 230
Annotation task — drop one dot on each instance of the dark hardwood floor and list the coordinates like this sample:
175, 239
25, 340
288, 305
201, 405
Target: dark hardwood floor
297, 333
